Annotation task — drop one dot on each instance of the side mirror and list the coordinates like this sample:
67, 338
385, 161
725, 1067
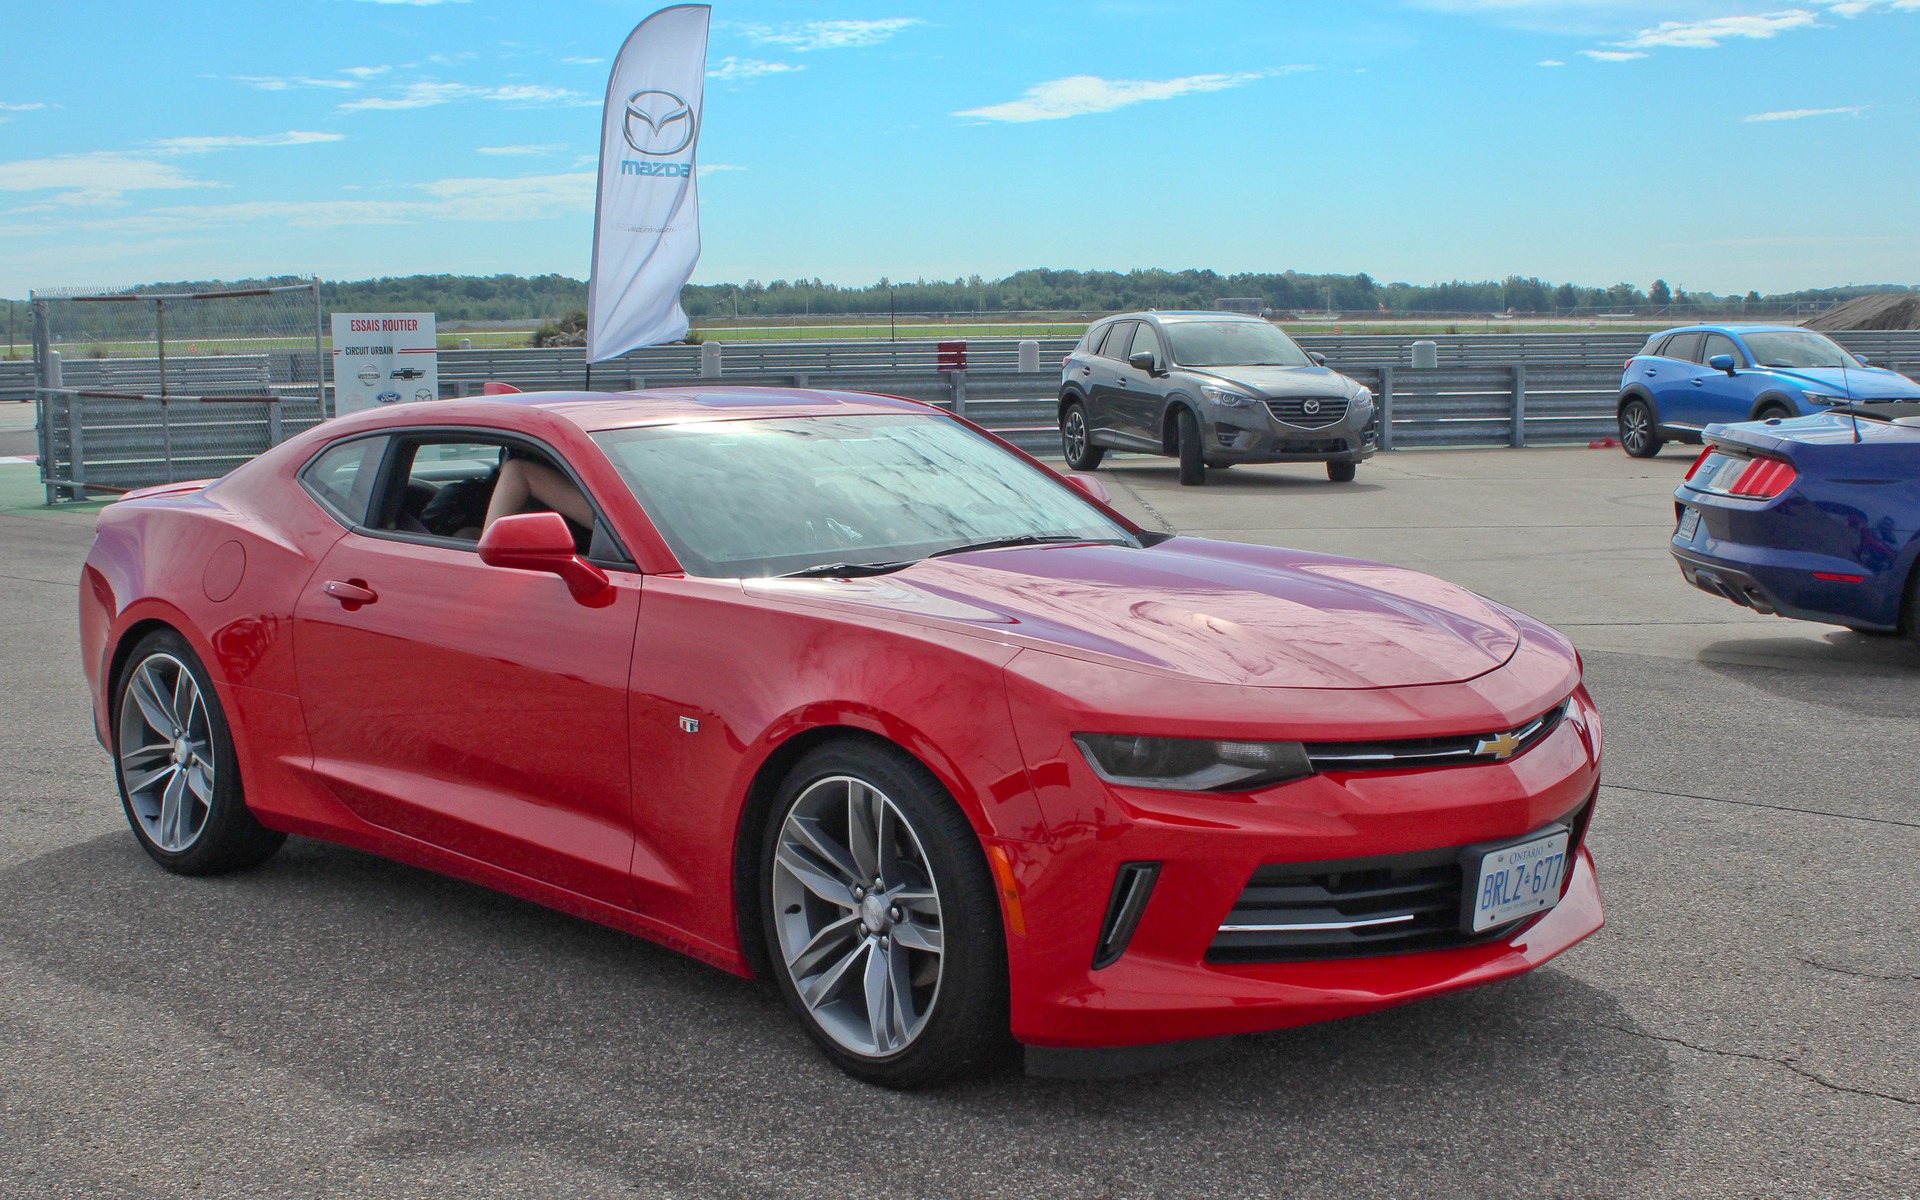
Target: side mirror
1091, 486
1319, 359
1864, 360
1721, 362
1143, 361
542, 542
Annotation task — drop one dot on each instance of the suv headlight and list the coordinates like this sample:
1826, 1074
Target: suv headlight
1192, 764
1227, 396
1823, 398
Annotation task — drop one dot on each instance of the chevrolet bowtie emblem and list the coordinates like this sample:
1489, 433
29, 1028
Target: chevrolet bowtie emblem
1499, 746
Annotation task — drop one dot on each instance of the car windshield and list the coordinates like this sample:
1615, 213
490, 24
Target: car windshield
1233, 344
1798, 349
737, 499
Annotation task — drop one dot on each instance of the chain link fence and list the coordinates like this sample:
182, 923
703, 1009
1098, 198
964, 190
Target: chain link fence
144, 386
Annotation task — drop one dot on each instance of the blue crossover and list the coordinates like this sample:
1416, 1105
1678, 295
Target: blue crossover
1814, 517
1686, 379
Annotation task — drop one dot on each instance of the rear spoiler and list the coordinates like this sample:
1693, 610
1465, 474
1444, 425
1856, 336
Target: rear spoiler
168, 489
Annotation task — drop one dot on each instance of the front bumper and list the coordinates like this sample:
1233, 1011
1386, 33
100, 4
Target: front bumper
1163, 988
1254, 435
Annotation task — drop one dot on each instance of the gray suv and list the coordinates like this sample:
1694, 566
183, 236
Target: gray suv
1211, 389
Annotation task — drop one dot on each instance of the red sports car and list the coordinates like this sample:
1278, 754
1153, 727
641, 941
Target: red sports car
842, 690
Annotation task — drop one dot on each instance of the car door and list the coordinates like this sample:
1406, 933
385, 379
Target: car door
477, 708
1718, 395
1142, 394
1106, 387
1671, 376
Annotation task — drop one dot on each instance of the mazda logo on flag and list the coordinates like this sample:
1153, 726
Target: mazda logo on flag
659, 123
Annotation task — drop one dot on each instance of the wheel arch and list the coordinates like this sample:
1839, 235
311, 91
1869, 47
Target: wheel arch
1069, 396
1772, 399
757, 808
1169, 418
1636, 392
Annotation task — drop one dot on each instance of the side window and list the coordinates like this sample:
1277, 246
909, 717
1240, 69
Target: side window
1719, 343
342, 478
1090, 340
442, 487
1683, 346
1119, 336
1147, 342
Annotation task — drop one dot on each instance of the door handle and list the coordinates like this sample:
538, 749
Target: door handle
1699, 383
351, 593
1651, 374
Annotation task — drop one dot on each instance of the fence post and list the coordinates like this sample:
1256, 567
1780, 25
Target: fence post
1029, 357
77, 446
166, 435
957, 380
1519, 405
710, 360
273, 422
1386, 407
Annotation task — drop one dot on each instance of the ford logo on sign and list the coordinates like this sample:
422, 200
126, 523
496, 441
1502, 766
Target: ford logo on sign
658, 123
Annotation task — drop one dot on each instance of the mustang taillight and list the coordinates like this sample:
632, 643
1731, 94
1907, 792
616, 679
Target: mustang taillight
1764, 479
1698, 462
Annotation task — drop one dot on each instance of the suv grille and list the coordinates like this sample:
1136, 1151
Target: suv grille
1327, 410
1356, 908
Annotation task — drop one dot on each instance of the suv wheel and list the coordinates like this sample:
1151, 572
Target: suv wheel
1342, 472
1186, 434
1639, 436
1078, 449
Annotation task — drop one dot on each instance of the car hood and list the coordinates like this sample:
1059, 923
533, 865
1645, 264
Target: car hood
1214, 612
1871, 383
1282, 381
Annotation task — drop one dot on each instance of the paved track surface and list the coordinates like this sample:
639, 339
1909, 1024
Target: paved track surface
1748, 1024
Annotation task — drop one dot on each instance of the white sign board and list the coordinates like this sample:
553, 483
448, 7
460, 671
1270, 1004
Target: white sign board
383, 358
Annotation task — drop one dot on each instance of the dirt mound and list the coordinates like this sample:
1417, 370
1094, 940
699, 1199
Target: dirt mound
1888, 310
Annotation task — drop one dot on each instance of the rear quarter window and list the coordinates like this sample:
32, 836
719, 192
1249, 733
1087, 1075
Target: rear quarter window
341, 478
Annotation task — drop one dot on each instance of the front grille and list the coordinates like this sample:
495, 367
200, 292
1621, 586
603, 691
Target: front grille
1357, 907
1294, 410
1407, 753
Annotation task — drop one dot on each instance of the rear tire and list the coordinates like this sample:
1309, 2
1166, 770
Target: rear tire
900, 979
1910, 608
175, 766
1639, 433
1342, 472
1076, 444
1186, 434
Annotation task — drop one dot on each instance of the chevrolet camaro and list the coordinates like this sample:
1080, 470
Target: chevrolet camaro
841, 691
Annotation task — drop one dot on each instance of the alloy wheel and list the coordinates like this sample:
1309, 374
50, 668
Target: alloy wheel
1075, 434
1634, 429
857, 916
166, 757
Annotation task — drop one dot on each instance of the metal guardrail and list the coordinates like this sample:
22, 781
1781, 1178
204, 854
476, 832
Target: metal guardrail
95, 440
16, 381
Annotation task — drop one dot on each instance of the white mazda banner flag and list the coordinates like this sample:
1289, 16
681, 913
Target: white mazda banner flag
646, 221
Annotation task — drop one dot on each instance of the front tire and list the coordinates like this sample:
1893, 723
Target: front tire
1076, 446
174, 762
881, 920
1342, 472
1639, 433
1186, 436
1772, 411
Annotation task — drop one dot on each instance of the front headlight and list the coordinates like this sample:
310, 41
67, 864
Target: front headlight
1227, 396
1192, 764
1823, 398
1364, 399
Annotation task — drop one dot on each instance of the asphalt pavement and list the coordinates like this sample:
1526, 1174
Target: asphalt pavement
1747, 1025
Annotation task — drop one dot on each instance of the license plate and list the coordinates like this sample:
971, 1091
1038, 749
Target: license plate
1689, 522
1518, 880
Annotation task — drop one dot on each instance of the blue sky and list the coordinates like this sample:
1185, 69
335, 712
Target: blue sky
1720, 144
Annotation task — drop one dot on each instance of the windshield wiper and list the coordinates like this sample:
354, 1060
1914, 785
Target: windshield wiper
850, 569
1023, 539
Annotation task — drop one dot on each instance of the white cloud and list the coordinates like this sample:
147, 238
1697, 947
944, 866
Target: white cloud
547, 148
97, 178
201, 145
1801, 114
1078, 95
706, 169
1614, 55
733, 70
1707, 34
364, 72
1550, 62
22, 107
829, 35
582, 62
427, 95
287, 83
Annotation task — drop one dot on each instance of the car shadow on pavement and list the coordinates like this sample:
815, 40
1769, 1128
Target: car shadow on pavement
1832, 652
485, 1021
1310, 477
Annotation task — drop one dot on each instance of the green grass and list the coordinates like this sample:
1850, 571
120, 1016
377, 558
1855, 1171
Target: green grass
22, 492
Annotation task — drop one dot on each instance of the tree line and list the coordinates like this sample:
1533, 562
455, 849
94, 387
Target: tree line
548, 297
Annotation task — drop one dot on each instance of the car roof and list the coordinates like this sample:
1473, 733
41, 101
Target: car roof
1735, 329
1187, 316
596, 411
